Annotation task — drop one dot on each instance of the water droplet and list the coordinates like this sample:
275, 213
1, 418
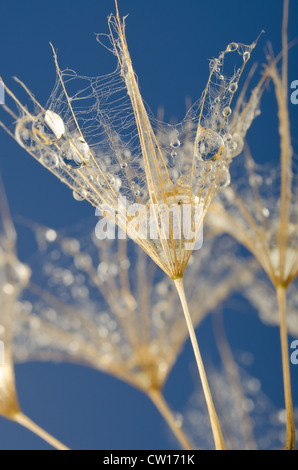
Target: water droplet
282, 416
265, 212
50, 235
83, 261
226, 111
135, 181
210, 145
50, 159
73, 347
89, 177
249, 405
246, 56
255, 180
34, 323
179, 419
50, 314
253, 385
233, 46
127, 154
124, 264
70, 246
75, 153
175, 143
123, 165
233, 87
48, 127
16, 275
237, 144
22, 273
111, 179
103, 183
227, 137
117, 184
163, 367
225, 180
8, 288
102, 271
229, 195
79, 196
24, 134
67, 278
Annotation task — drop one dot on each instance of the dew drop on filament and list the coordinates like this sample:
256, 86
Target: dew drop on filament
246, 56
226, 111
50, 159
75, 154
225, 180
79, 196
232, 47
175, 143
233, 87
210, 145
24, 134
48, 127
265, 212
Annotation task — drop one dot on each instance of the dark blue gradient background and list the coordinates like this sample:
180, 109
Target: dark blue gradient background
170, 43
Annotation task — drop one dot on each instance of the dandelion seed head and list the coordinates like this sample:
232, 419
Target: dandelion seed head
97, 136
14, 277
267, 421
121, 314
251, 212
261, 295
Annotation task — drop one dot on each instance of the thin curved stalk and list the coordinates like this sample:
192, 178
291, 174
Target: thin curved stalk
162, 406
216, 429
22, 419
290, 440
232, 372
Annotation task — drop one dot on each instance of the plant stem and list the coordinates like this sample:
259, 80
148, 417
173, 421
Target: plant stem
281, 297
162, 406
232, 372
22, 419
217, 434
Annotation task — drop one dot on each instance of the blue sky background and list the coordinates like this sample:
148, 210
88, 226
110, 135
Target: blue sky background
170, 43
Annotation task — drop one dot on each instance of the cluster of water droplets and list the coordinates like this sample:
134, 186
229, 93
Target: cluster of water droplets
49, 139
83, 312
85, 301
199, 151
191, 158
92, 172
196, 153
197, 160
